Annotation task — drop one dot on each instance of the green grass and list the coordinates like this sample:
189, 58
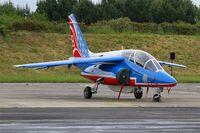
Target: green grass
28, 47
71, 78
188, 79
40, 78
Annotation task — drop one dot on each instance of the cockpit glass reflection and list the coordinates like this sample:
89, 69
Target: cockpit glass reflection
142, 59
150, 66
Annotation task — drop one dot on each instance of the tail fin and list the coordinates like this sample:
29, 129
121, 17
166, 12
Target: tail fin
79, 46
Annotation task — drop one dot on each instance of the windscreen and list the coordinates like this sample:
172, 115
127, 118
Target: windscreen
150, 66
142, 59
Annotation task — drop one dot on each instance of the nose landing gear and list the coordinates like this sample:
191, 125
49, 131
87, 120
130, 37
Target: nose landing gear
157, 96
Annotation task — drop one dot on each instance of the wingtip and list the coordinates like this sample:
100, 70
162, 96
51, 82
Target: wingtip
17, 66
182, 66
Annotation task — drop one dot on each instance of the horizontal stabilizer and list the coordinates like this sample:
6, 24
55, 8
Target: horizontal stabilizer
171, 64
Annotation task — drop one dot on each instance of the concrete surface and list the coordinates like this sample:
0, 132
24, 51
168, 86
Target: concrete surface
71, 95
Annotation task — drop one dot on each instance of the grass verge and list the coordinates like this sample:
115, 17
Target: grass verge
188, 79
38, 78
72, 78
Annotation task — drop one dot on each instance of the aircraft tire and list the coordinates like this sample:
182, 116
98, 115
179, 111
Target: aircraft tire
156, 98
87, 92
138, 94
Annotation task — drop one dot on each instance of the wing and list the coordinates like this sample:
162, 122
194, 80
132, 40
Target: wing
171, 64
74, 61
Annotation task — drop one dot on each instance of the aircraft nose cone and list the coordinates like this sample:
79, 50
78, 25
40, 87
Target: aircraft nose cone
163, 77
172, 80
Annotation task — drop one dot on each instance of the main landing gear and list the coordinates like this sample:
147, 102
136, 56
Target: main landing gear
88, 91
157, 96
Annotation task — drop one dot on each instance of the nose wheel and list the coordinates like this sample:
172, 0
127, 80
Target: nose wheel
157, 96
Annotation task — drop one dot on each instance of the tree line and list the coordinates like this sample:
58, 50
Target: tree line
156, 11
8, 8
108, 16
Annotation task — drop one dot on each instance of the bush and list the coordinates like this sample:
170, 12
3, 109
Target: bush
7, 20
35, 22
38, 17
180, 28
99, 27
60, 28
125, 25
30, 26
39, 22
197, 24
2, 29
120, 25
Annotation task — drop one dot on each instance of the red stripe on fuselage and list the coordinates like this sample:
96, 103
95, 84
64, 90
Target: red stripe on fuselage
107, 80
114, 81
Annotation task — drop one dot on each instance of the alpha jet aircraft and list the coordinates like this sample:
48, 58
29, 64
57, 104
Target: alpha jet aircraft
123, 70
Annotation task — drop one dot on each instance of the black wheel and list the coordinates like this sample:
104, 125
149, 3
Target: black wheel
156, 98
138, 94
87, 92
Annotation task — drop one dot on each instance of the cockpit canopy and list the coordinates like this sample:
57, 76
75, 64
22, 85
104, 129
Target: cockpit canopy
142, 59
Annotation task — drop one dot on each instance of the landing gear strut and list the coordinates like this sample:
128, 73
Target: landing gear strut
157, 96
88, 91
138, 93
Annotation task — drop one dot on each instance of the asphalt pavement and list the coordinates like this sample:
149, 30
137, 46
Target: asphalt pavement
86, 120
58, 108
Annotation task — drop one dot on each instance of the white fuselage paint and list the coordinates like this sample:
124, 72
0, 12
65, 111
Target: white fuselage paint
115, 88
111, 53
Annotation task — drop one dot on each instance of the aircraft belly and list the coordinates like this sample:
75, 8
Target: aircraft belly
127, 89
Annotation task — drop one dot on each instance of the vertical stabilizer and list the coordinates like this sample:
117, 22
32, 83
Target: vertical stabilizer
79, 46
